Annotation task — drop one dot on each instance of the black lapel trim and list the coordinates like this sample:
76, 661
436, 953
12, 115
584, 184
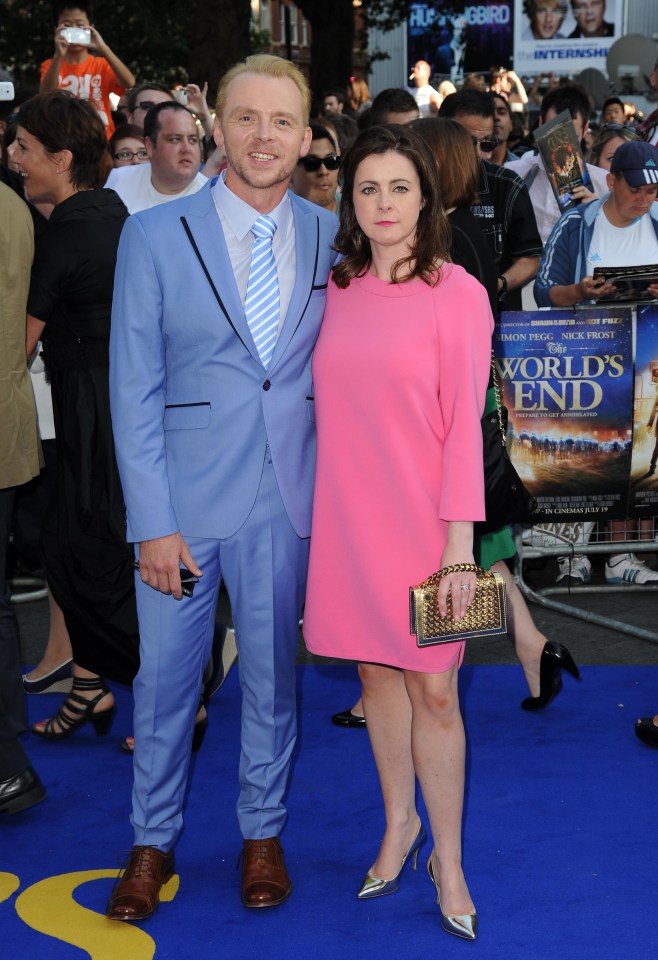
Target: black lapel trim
315, 271
210, 281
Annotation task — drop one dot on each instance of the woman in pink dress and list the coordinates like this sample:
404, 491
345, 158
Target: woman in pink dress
400, 373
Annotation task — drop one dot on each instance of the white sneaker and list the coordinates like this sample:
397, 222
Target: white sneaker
574, 570
626, 568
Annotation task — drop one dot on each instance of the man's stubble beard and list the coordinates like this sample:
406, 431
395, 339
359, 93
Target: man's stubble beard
235, 164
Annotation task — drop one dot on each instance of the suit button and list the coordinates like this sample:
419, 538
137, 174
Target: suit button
267, 385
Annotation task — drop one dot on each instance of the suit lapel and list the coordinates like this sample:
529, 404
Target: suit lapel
307, 236
208, 236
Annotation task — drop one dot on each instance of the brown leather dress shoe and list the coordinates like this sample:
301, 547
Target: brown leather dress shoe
137, 892
265, 880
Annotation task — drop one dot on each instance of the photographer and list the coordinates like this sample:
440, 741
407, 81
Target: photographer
74, 69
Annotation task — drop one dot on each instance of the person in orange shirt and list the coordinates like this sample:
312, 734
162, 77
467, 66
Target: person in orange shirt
74, 69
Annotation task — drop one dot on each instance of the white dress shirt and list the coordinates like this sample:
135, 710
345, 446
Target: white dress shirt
237, 218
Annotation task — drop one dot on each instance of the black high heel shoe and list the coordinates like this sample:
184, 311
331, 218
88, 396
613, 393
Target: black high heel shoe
647, 731
77, 710
554, 659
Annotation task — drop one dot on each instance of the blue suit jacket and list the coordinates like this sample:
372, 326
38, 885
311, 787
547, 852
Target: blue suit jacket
192, 405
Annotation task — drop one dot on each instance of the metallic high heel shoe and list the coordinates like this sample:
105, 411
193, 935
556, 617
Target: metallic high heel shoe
374, 887
464, 926
554, 659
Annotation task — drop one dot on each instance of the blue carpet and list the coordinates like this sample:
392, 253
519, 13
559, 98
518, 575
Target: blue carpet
559, 849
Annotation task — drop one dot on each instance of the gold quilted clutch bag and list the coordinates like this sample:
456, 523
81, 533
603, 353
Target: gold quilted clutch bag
486, 616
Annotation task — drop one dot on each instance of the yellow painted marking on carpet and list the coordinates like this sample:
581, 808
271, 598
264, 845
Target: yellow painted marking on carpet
49, 907
8, 883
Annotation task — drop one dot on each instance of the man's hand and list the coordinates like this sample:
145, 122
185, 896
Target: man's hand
591, 289
582, 194
160, 562
61, 43
97, 42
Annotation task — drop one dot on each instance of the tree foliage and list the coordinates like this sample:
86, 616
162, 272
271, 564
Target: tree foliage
333, 34
158, 39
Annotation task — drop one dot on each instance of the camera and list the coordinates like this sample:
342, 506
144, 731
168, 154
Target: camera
6, 90
181, 95
79, 35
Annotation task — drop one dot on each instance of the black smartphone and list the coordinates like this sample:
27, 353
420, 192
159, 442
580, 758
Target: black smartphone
187, 582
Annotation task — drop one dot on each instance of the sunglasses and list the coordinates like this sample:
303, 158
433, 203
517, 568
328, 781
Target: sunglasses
129, 154
487, 144
312, 164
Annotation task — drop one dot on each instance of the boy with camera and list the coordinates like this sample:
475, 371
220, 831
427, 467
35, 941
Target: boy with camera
74, 69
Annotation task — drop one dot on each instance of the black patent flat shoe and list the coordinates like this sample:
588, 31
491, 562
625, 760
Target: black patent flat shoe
348, 719
554, 659
647, 731
59, 680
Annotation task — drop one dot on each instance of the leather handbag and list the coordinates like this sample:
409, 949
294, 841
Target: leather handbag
506, 499
485, 617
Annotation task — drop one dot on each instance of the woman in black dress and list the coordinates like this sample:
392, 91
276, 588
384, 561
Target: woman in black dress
88, 564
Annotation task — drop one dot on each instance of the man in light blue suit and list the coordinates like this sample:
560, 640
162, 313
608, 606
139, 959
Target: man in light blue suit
214, 429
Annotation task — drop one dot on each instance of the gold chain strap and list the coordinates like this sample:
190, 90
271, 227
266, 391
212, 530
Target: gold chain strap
499, 402
455, 568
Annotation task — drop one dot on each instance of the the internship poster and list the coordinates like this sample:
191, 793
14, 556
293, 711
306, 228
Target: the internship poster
644, 486
567, 381
457, 38
564, 36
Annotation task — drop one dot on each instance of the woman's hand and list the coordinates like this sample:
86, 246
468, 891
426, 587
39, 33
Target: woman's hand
196, 99
460, 586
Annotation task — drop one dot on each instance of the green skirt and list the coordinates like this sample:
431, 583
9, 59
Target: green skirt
499, 544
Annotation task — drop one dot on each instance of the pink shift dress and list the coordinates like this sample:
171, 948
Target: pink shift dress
400, 374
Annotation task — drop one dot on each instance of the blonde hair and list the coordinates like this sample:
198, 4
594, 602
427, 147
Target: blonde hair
265, 65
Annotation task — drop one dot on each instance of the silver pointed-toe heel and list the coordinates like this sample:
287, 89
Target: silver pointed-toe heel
374, 887
464, 926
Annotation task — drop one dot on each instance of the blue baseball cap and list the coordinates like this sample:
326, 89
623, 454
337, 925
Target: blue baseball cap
637, 162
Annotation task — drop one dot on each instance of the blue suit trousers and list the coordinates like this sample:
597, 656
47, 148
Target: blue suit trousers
264, 567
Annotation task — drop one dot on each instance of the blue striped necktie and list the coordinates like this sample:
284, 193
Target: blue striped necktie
261, 305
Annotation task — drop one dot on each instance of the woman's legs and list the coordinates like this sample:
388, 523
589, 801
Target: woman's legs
527, 639
388, 720
438, 746
58, 649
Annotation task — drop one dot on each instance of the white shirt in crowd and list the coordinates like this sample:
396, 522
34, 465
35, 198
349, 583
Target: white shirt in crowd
622, 246
133, 184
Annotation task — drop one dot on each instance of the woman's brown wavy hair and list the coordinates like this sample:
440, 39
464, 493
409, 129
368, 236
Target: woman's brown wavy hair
432, 241
456, 160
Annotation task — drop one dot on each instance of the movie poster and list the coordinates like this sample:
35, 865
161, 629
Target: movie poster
644, 480
457, 38
564, 36
559, 149
567, 381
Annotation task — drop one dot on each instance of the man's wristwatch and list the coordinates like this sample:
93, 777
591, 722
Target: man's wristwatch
502, 293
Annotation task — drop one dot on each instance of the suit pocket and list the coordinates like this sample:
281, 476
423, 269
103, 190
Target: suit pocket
186, 416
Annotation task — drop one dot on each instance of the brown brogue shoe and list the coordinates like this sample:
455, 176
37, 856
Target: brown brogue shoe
137, 892
265, 880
